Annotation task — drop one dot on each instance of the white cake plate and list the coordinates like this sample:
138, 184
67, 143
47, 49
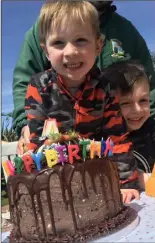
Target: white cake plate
4, 237
117, 236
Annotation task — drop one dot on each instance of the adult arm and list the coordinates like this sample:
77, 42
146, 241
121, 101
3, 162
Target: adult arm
118, 27
31, 60
141, 53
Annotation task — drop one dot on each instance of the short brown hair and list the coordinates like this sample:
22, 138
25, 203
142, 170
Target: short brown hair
52, 14
123, 76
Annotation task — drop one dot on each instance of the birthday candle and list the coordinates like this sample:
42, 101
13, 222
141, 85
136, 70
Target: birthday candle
109, 146
18, 164
95, 147
5, 170
73, 150
27, 159
84, 144
10, 167
51, 157
60, 149
50, 126
37, 159
103, 147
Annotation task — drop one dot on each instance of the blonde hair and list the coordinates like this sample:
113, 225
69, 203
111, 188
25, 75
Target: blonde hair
52, 14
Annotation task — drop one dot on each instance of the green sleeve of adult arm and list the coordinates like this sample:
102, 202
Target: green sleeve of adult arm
31, 60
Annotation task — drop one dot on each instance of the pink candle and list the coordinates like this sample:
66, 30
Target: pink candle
10, 167
109, 147
73, 150
5, 168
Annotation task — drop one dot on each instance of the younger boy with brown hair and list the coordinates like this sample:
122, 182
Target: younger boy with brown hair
73, 91
132, 85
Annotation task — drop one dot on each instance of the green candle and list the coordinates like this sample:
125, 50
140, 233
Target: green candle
84, 144
18, 164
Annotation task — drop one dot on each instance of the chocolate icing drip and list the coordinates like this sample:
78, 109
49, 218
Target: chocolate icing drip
72, 208
42, 216
69, 198
51, 212
35, 214
17, 214
85, 193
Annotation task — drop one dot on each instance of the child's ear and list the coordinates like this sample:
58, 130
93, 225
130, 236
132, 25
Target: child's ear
44, 50
100, 43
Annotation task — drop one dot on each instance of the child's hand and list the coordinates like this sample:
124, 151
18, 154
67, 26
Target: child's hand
24, 138
129, 194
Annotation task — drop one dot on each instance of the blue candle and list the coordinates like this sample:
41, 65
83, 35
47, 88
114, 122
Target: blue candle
103, 147
37, 159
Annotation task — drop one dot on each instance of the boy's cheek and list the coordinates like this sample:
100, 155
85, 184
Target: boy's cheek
124, 112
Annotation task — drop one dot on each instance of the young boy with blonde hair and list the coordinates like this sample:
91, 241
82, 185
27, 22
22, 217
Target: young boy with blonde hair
73, 91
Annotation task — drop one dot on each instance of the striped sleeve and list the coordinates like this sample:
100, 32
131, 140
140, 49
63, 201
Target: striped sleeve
34, 110
115, 129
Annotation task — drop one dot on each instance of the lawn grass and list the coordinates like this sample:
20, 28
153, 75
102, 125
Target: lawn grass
4, 198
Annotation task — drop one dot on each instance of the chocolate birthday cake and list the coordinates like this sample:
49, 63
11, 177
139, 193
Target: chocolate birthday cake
70, 196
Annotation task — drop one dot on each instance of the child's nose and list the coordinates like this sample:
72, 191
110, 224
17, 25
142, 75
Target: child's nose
137, 107
70, 50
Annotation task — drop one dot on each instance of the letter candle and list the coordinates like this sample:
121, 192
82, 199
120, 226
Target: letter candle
103, 147
60, 149
84, 144
73, 150
11, 167
37, 159
51, 157
95, 147
27, 159
18, 164
109, 146
5, 170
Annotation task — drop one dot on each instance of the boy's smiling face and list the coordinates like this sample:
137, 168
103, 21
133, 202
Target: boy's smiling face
72, 48
135, 106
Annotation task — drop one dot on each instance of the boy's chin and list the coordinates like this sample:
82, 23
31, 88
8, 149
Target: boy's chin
136, 127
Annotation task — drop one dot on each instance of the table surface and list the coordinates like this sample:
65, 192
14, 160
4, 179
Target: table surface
144, 230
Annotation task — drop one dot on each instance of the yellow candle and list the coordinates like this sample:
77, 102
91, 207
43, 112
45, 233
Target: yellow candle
92, 149
95, 147
51, 157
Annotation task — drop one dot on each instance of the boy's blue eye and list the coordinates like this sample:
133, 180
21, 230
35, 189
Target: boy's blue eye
143, 100
81, 40
125, 103
58, 42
